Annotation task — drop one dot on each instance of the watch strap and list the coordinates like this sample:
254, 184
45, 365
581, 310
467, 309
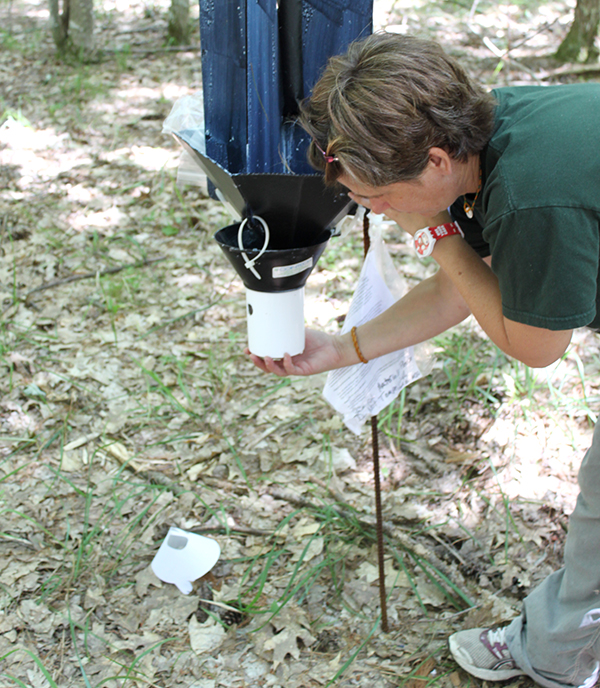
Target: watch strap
445, 230
426, 238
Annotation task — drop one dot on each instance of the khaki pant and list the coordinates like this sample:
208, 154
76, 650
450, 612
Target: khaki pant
556, 640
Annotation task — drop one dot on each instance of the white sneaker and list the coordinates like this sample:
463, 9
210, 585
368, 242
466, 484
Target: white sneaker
483, 653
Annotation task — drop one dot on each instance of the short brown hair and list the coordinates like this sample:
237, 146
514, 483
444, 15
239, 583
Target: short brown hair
379, 108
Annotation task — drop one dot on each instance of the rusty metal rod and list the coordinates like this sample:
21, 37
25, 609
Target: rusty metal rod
376, 472
378, 511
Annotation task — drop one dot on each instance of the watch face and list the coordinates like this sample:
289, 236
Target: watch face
424, 242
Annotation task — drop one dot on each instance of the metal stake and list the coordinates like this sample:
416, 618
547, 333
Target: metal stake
378, 510
380, 546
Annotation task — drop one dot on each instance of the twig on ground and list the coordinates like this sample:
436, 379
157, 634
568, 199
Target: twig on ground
367, 521
12, 540
162, 325
153, 51
159, 479
574, 69
541, 29
504, 55
236, 529
92, 275
221, 605
269, 431
333, 492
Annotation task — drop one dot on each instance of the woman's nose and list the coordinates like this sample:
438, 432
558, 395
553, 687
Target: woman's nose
379, 206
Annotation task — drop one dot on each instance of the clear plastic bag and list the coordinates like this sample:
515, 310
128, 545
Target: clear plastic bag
187, 114
424, 352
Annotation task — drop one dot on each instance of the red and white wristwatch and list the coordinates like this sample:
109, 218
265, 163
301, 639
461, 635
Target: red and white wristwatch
426, 238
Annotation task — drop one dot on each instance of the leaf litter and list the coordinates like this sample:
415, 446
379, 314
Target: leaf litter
127, 407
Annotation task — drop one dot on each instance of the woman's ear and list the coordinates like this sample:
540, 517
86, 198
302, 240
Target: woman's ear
440, 160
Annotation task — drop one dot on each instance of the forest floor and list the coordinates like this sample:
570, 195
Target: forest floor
127, 405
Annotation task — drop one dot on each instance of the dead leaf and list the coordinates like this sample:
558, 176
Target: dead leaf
286, 642
426, 670
119, 452
206, 637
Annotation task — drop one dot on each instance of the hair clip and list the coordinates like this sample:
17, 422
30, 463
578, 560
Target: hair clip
328, 158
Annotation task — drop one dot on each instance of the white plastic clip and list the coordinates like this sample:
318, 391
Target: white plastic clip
249, 264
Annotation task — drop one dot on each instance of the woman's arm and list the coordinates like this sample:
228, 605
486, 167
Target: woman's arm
475, 281
464, 284
432, 307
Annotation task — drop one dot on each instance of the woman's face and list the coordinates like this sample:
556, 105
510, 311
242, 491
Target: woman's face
434, 191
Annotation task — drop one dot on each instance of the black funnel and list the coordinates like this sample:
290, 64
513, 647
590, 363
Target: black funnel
280, 269
296, 207
286, 222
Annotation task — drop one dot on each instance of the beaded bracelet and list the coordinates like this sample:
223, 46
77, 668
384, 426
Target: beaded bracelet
356, 346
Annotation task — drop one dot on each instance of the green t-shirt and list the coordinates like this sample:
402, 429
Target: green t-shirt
538, 211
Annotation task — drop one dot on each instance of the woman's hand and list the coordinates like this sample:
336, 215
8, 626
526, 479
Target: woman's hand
322, 352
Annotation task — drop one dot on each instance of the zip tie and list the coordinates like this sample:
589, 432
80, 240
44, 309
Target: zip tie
249, 264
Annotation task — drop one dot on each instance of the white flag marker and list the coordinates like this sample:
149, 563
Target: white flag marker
184, 557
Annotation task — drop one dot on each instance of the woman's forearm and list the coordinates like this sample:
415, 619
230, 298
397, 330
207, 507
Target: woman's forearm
430, 308
477, 284
464, 284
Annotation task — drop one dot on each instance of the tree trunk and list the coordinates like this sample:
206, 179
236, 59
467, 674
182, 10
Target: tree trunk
59, 22
579, 43
179, 22
81, 26
72, 26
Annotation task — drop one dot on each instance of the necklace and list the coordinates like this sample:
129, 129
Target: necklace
468, 208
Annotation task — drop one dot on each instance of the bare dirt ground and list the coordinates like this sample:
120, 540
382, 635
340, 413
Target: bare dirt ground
127, 406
